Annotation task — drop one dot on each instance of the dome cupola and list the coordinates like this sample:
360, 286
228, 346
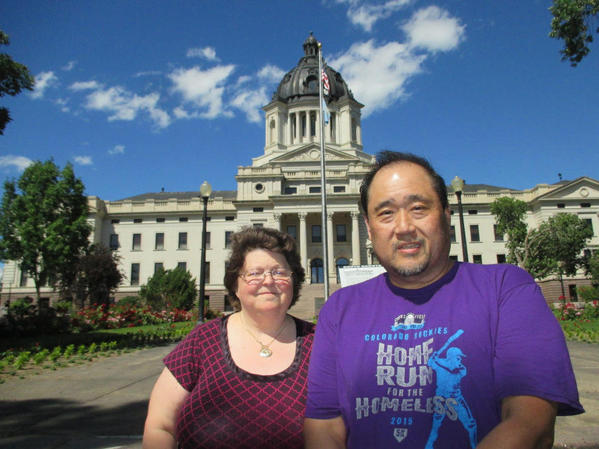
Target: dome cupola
302, 80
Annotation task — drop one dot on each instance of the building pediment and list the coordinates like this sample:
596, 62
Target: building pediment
311, 153
581, 189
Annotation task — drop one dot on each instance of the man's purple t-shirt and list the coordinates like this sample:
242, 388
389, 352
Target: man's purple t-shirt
429, 367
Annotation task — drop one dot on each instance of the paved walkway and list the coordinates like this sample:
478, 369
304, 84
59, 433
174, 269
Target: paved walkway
102, 405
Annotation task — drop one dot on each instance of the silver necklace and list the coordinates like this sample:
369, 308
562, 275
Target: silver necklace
265, 350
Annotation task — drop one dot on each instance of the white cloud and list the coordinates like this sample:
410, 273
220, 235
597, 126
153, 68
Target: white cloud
203, 88
69, 66
123, 105
207, 53
43, 81
433, 29
251, 102
117, 149
367, 15
84, 85
271, 73
19, 162
148, 73
377, 75
83, 160
181, 113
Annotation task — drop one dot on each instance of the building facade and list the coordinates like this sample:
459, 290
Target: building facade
282, 189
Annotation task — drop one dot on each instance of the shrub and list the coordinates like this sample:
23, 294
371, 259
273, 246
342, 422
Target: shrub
130, 301
588, 293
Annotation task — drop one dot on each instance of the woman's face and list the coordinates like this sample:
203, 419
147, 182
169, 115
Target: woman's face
268, 294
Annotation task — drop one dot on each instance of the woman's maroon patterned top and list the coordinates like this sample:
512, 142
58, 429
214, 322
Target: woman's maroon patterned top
231, 408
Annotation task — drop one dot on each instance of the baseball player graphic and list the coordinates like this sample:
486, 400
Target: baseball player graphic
450, 371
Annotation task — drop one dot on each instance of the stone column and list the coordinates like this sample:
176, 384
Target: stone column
331, 239
303, 240
355, 238
277, 219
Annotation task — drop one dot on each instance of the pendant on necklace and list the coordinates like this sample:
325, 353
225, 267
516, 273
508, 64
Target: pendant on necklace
265, 352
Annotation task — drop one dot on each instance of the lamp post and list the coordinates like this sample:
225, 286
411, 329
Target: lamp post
457, 184
205, 191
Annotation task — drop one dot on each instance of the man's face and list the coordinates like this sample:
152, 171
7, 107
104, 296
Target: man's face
407, 225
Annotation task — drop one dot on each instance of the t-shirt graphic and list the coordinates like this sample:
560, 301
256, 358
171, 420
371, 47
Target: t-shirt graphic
449, 372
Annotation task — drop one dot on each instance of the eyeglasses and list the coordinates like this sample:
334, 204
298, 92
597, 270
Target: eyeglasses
255, 277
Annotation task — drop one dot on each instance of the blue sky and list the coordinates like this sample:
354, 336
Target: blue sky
144, 95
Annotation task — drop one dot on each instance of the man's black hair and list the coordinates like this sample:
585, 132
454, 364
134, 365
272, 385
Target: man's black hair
387, 157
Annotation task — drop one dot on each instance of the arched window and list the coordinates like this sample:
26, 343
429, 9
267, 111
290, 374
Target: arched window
316, 270
272, 136
341, 262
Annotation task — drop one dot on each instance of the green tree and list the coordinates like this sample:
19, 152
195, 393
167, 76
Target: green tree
14, 77
170, 289
556, 247
510, 214
97, 276
572, 23
593, 267
43, 223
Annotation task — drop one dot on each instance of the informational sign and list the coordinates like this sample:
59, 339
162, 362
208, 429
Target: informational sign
354, 274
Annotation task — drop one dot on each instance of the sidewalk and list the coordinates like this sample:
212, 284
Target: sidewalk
92, 406
102, 405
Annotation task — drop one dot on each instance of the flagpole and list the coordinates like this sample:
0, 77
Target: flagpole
323, 181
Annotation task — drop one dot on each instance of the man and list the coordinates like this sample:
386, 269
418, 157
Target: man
377, 378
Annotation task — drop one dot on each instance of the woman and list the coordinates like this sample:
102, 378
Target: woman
240, 381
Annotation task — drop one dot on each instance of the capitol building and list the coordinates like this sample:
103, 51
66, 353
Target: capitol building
282, 189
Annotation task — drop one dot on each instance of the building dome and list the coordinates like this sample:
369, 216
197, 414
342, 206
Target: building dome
302, 80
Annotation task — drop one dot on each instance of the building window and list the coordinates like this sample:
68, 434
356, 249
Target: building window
474, 235
160, 220
354, 130
454, 258
316, 235
452, 234
159, 245
134, 274
258, 225
228, 235
316, 272
585, 204
500, 258
498, 236
137, 220
341, 233
158, 266
341, 262
303, 124
207, 272
114, 241
183, 219
472, 212
290, 190
258, 209
207, 240
315, 189
182, 265
136, 242
313, 123
561, 205
573, 292
229, 218
115, 221
332, 126
182, 240
292, 231
589, 223
477, 258
23, 280
338, 189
